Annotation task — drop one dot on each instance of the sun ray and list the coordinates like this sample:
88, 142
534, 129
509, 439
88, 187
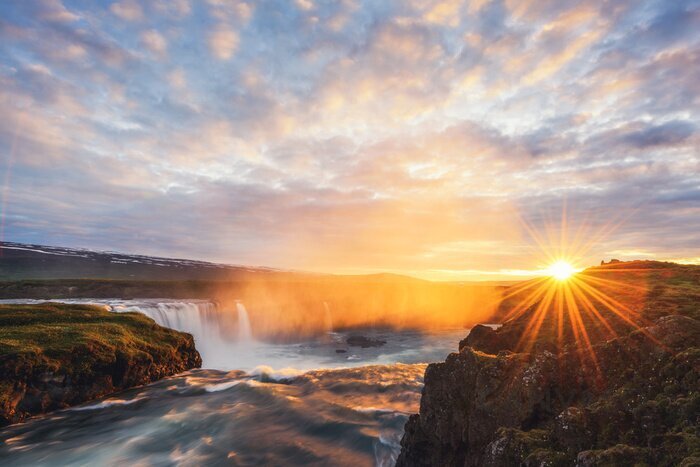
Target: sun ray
625, 314
609, 302
520, 288
562, 231
560, 316
613, 284
528, 302
588, 306
582, 332
535, 323
536, 237
570, 305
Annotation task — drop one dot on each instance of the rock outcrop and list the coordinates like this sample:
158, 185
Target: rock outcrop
55, 356
633, 399
363, 341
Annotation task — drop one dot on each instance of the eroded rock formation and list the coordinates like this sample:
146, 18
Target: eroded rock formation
629, 399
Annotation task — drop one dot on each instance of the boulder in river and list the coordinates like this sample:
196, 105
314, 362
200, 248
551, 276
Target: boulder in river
363, 341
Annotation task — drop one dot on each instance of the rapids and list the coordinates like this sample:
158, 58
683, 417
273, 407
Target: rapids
316, 402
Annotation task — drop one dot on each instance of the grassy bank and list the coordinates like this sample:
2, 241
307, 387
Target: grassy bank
54, 356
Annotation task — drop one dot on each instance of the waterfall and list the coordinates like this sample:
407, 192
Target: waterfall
203, 320
327, 318
245, 332
222, 336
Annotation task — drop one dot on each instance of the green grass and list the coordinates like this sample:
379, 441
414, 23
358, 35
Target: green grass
56, 355
56, 330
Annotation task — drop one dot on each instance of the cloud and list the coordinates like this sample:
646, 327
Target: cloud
129, 10
54, 10
155, 42
177, 79
666, 134
223, 42
177, 8
446, 12
350, 136
305, 4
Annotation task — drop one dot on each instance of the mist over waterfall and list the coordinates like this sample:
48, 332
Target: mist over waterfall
327, 317
248, 333
222, 335
245, 332
326, 393
202, 320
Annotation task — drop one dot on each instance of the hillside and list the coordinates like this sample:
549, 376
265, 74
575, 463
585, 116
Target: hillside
601, 370
20, 261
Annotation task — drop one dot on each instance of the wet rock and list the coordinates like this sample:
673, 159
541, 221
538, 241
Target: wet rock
571, 430
529, 449
489, 340
455, 426
364, 341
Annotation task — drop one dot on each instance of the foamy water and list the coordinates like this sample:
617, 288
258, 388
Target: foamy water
317, 402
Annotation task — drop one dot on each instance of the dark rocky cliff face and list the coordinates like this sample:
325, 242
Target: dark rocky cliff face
627, 399
55, 356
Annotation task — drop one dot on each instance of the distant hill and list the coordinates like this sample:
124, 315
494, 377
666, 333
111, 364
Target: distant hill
20, 261
285, 303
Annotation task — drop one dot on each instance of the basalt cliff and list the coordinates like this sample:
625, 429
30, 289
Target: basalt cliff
599, 370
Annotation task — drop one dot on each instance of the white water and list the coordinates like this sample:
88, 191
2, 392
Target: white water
350, 410
225, 338
245, 331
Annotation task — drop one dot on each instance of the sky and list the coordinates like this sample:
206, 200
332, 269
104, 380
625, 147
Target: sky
423, 137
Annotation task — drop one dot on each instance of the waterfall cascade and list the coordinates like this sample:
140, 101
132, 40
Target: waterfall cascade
201, 319
220, 334
224, 337
245, 332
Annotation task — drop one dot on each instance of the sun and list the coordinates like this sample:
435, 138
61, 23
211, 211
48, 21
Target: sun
568, 301
561, 270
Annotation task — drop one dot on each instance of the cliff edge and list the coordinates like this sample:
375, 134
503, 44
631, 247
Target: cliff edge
53, 356
608, 377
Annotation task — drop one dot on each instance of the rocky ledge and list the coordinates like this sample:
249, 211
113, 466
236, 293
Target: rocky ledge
629, 398
53, 356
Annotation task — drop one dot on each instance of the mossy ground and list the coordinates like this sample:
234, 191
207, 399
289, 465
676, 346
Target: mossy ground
55, 330
55, 355
651, 411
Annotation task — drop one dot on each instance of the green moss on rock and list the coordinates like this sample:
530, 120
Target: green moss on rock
638, 405
56, 355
